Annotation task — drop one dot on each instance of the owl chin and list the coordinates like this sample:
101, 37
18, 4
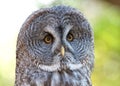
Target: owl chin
62, 64
60, 67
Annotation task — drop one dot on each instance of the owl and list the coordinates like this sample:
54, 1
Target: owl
55, 47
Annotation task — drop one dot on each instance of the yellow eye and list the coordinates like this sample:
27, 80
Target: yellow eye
70, 37
48, 39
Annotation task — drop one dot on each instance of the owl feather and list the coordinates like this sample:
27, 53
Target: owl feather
55, 47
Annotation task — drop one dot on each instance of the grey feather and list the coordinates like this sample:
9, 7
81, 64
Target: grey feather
41, 64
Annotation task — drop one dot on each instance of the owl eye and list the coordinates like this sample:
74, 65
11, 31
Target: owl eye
70, 37
48, 39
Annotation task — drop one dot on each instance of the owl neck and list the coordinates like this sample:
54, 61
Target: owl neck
60, 78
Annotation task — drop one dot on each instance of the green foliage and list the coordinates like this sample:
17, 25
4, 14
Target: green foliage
107, 49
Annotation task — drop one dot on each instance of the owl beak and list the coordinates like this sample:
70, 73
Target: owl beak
62, 51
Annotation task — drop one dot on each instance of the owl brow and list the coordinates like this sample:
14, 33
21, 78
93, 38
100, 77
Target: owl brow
49, 29
68, 28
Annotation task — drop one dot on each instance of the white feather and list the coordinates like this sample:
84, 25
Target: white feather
75, 66
49, 68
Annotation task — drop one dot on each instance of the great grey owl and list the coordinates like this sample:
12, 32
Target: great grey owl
55, 47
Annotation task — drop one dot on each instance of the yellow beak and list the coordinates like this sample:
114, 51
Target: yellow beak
62, 51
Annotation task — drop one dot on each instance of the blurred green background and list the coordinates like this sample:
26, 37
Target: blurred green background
104, 16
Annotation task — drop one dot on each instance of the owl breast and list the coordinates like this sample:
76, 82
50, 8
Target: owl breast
60, 78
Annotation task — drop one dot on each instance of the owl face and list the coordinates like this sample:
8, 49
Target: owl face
58, 40
55, 48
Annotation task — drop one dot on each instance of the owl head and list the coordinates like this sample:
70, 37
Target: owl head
55, 39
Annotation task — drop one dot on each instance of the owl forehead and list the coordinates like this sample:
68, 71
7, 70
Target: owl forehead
59, 16
59, 30
51, 24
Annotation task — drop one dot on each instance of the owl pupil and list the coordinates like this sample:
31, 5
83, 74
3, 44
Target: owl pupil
48, 39
70, 37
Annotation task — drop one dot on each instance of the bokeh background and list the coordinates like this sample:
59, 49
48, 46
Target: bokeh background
104, 16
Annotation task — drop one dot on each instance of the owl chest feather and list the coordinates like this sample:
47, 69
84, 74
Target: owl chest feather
59, 78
